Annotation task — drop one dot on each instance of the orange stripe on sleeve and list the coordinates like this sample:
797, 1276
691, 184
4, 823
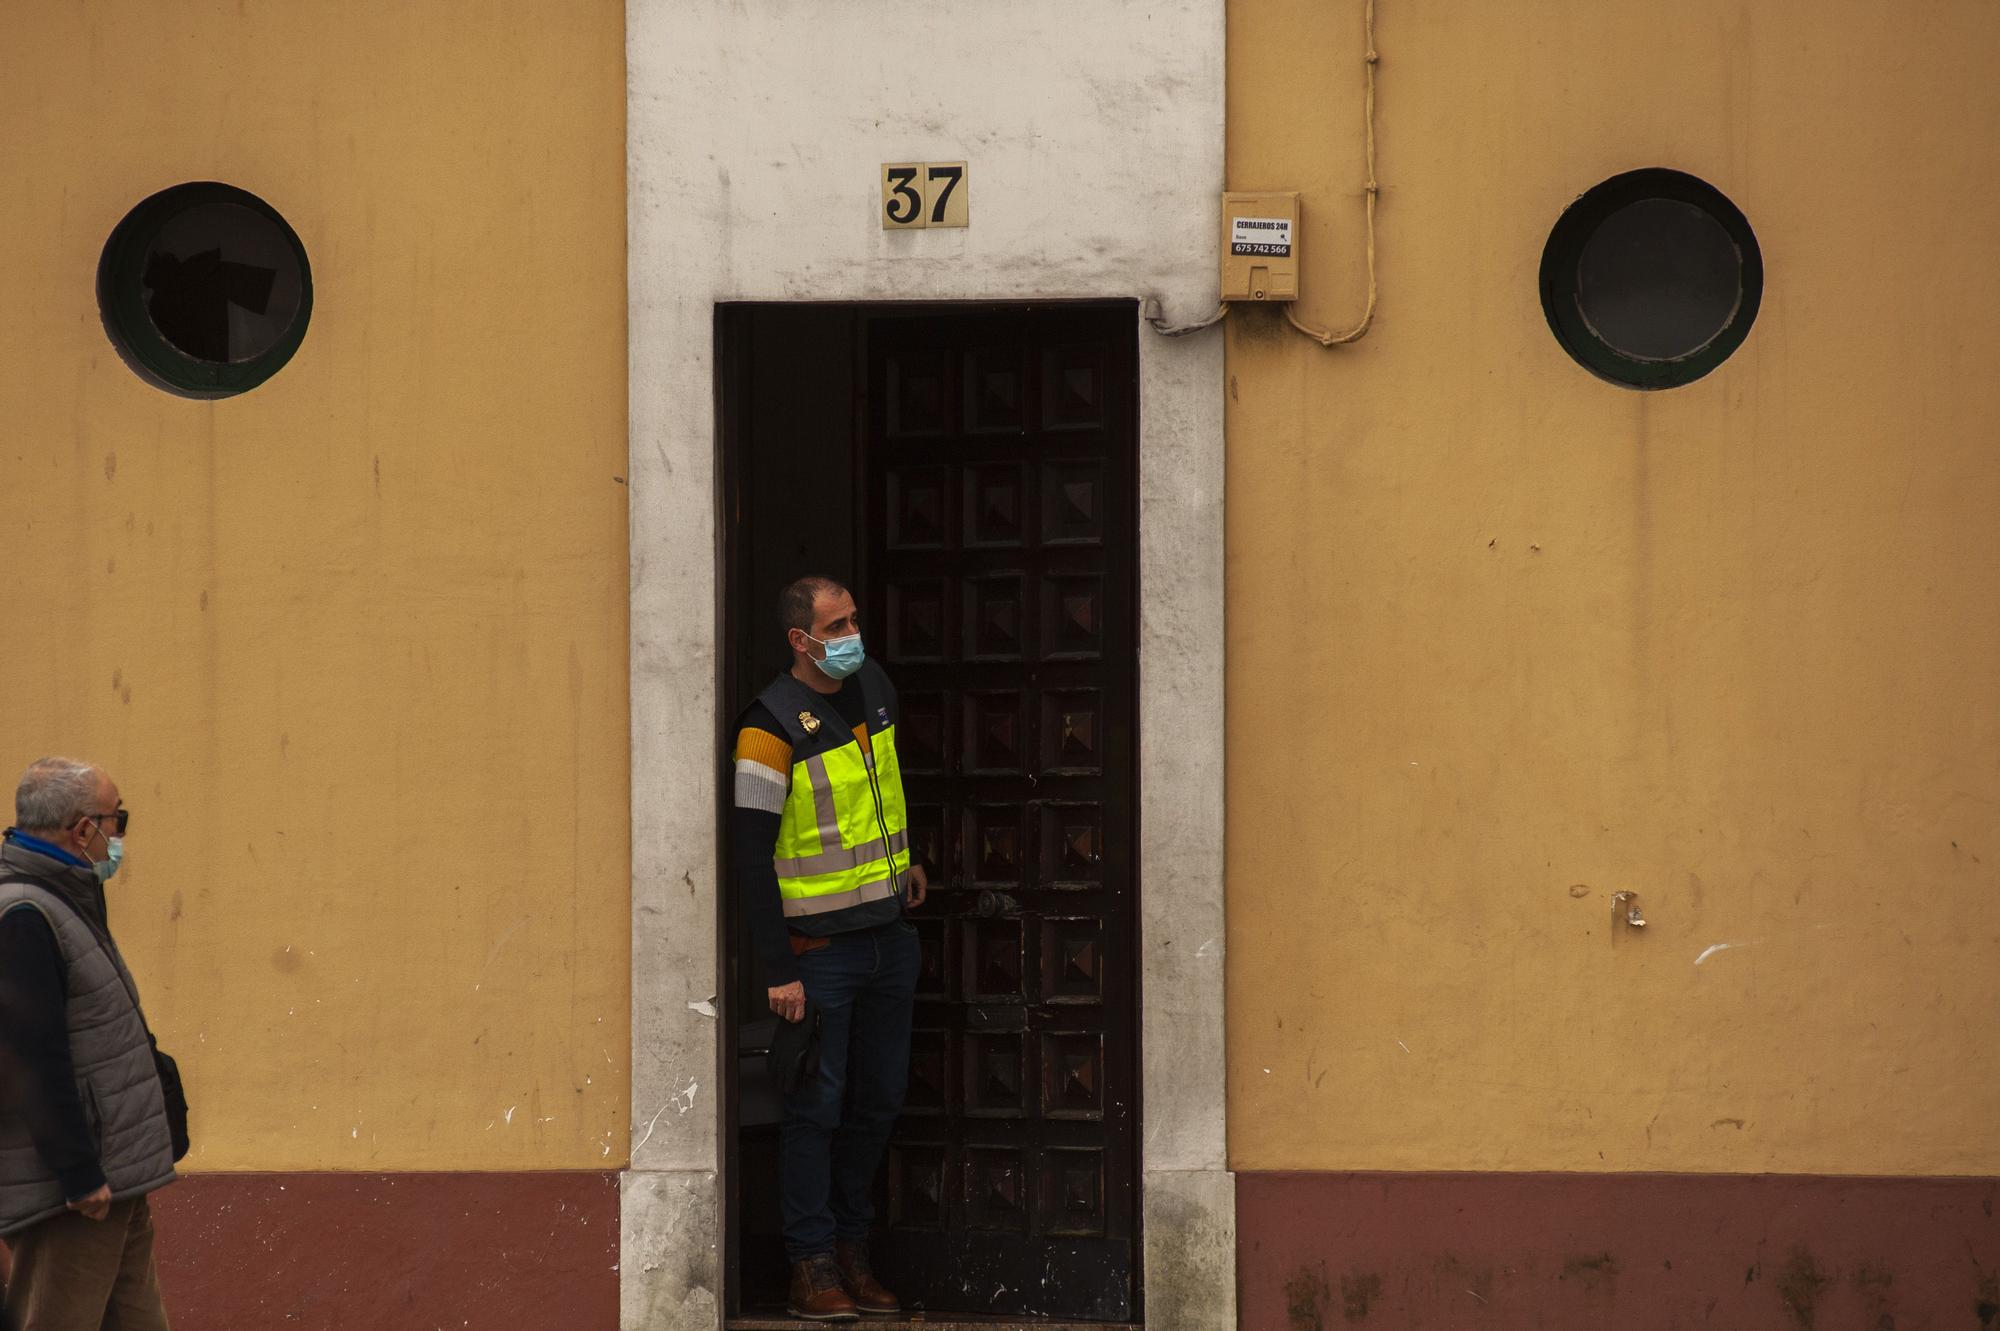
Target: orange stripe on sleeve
762, 747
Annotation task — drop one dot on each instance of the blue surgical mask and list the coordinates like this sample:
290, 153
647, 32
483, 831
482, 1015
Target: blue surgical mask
843, 656
114, 846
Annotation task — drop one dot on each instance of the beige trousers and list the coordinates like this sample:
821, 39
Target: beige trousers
73, 1274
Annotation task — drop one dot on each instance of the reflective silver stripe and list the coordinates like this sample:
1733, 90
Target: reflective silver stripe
823, 810
837, 861
879, 890
758, 787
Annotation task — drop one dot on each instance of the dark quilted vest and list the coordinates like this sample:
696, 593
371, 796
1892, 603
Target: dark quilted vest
116, 1078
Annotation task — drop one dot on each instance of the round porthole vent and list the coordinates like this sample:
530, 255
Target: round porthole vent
205, 290
1652, 279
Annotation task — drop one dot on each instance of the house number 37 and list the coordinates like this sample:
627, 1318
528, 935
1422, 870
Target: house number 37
923, 194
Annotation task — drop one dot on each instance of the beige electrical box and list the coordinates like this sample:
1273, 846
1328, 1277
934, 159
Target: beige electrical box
1260, 246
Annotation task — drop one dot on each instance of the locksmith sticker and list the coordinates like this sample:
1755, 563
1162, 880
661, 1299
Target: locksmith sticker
1270, 236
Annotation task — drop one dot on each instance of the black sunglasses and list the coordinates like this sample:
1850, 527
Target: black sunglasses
123, 817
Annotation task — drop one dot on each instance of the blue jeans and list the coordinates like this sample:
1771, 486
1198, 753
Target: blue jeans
837, 1125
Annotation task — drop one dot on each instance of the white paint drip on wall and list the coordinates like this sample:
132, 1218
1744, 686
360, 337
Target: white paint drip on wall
1714, 948
501, 942
650, 1125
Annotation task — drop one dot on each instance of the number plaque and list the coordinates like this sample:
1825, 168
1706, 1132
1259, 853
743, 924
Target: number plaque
916, 195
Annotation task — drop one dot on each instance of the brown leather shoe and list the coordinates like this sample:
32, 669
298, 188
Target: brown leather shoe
816, 1292
860, 1282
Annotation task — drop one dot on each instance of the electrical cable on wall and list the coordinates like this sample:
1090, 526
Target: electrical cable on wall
1287, 286
1360, 330
1156, 316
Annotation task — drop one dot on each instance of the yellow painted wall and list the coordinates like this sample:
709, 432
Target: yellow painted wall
355, 642
1504, 638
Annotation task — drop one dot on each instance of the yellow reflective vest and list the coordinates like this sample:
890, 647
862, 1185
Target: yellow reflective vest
844, 835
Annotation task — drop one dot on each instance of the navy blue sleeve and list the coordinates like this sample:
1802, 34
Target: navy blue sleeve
34, 1041
755, 837
754, 820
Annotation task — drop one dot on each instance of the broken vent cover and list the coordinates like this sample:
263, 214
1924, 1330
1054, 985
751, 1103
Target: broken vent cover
205, 290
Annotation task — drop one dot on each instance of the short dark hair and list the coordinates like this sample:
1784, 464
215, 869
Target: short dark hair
795, 603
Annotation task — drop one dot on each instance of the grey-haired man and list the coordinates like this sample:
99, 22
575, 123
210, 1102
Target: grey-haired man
85, 1127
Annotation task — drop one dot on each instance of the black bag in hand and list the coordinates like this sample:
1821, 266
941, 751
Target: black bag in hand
794, 1057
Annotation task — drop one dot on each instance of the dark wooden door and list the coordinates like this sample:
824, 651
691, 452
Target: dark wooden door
1000, 467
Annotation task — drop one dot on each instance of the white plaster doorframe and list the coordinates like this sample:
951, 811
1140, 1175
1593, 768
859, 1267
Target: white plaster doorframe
754, 135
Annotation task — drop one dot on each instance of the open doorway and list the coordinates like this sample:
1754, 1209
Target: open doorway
971, 472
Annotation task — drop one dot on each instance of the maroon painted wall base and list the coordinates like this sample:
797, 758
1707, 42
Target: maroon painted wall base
1317, 1252
525, 1252
1627, 1251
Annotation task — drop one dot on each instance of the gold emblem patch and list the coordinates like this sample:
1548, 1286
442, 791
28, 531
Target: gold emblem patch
810, 722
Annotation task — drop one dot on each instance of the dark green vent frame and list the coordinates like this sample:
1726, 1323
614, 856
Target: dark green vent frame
1675, 276
130, 278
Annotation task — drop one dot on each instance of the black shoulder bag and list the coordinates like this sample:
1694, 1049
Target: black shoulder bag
175, 1096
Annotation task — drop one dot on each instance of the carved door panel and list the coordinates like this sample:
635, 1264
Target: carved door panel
1001, 474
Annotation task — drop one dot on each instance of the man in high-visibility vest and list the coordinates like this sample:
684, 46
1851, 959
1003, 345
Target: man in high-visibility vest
822, 846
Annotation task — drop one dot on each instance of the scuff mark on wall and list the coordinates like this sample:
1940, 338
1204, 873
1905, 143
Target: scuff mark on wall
1305, 1300
1358, 1293
1799, 1287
